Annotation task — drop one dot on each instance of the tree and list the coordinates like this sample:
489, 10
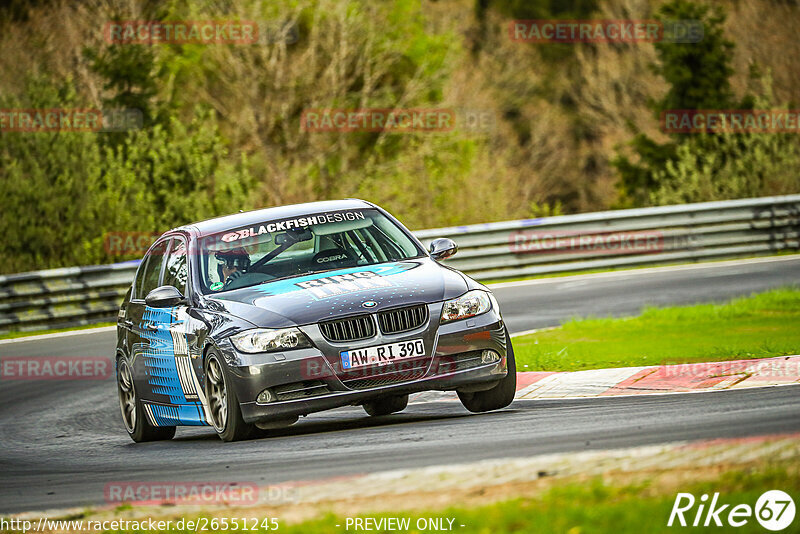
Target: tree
698, 75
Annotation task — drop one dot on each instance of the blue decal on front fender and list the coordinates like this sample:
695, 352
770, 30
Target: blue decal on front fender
169, 369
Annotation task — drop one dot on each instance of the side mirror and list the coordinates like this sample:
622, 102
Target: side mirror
442, 248
164, 297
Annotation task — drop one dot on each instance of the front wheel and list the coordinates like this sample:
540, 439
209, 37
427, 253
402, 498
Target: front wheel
499, 396
386, 405
133, 412
223, 404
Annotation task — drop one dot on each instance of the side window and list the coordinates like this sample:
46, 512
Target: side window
151, 270
177, 270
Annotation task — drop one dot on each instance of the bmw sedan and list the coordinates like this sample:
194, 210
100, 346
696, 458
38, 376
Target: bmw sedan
252, 320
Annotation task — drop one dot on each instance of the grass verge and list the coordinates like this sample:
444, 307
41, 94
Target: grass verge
595, 506
601, 504
759, 326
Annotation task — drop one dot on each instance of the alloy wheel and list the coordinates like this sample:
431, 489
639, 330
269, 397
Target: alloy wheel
217, 393
127, 396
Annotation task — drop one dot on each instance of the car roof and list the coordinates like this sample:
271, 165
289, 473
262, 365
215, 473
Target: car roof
236, 220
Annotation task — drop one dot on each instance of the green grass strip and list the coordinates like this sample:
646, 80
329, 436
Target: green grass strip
18, 333
759, 326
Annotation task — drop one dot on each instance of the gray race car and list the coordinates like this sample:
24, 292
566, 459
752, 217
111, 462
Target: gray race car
252, 320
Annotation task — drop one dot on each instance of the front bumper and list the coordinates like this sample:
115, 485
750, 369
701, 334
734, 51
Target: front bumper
306, 380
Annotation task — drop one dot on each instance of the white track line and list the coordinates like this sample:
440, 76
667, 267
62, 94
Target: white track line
657, 393
533, 331
644, 270
448, 396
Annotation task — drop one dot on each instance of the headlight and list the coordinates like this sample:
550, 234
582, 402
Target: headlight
469, 304
267, 340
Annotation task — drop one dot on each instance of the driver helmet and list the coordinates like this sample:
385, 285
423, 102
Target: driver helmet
237, 258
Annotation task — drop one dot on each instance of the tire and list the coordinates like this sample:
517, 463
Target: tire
386, 405
499, 396
223, 404
132, 411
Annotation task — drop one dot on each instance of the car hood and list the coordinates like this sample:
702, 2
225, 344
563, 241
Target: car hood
342, 292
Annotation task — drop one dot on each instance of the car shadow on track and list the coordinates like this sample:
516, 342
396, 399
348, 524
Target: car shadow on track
341, 422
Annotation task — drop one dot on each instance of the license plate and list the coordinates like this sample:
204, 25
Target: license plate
382, 354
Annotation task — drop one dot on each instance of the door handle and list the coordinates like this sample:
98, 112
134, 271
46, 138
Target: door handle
151, 327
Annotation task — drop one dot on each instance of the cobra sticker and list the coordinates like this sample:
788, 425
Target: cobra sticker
330, 286
300, 222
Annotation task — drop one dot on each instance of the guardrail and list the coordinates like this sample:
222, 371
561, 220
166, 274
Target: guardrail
493, 251
625, 238
58, 298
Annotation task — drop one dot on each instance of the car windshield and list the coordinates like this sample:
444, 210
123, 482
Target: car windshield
264, 252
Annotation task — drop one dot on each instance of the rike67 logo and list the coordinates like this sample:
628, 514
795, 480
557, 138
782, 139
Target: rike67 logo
774, 510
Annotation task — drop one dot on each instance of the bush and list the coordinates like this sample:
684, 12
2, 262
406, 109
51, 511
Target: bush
728, 166
63, 191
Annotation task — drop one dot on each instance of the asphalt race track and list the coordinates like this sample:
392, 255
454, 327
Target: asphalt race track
62, 441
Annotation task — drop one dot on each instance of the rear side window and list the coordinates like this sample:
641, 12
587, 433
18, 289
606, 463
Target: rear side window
151, 270
177, 270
